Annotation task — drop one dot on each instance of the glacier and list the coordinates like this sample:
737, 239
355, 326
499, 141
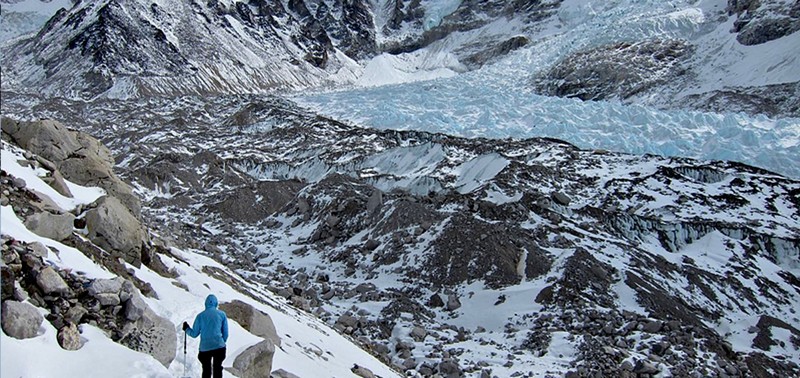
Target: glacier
473, 108
421, 90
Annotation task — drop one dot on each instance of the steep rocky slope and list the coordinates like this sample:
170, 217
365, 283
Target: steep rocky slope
473, 256
132, 48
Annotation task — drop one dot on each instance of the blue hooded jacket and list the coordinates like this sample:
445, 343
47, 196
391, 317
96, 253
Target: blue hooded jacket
211, 325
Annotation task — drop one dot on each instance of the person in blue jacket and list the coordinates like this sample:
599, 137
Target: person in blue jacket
212, 327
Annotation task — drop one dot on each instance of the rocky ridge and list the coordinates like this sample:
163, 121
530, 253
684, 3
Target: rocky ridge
123, 48
394, 238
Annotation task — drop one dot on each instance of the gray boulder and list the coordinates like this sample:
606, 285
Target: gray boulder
107, 291
21, 320
255, 361
79, 157
418, 334
128, 290
365, 287
105, 286
75, 314
375, 200
153, 335
108, 299
51, 282
135, 307
69, 337
449, 369
254, 321
97, 173
51, 226
435, 300
47, 138
18, 183
39, 249
45, 204
371, 245
561, 198
452, 302
280, 373
362, 372
57, 182
645, 367
652, 326
112, 227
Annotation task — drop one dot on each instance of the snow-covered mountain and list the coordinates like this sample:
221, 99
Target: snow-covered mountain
123, 48
709, 55
474, 256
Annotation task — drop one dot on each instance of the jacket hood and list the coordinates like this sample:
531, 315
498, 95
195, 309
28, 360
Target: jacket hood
211, 301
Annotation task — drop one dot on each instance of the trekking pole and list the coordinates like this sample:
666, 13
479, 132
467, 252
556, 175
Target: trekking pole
184, 354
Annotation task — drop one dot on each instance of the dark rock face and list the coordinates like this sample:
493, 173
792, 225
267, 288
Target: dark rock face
777, 100
763, 21
470, 15
503, 48
585, 278
255, 203
350, 24
617, 71
764, 339
489, 252
109, 40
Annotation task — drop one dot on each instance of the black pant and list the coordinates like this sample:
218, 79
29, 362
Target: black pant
212, 357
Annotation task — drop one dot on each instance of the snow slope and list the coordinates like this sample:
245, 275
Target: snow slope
309, 347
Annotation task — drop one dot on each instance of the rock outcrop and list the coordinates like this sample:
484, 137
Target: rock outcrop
56, 226
77, 156
617, 71
51, 282
762, 21
21, 320
254, 321
111, 226
255, 361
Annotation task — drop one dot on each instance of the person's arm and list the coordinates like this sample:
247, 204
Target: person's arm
195, 329
224, 327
